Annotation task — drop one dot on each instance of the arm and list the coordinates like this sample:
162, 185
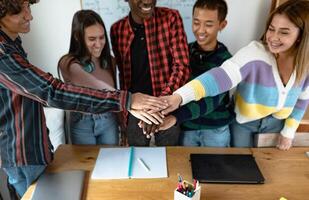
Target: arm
78, 76
180, 56
21, 77
195, 109
292, 122
227, 76
210, 83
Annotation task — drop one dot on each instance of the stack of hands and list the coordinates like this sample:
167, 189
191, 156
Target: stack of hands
154, 112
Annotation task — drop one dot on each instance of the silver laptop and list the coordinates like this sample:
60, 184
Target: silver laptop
67, 185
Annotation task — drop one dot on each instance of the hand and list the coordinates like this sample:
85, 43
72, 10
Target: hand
146, 102
168, 122
284, 143
173, 101
155, 118
148, 129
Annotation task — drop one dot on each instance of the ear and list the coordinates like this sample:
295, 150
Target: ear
223, 25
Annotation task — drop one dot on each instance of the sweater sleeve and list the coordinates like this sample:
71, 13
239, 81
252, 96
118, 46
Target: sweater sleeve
195, 109
223, 78
212, 82
293, 121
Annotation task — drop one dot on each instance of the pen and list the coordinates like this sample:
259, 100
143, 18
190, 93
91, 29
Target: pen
194, 183
130, 161
197, 185
143, 164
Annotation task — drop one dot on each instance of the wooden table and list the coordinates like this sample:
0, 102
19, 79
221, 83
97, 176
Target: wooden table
286, 174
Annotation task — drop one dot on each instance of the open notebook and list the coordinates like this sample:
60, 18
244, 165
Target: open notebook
116, 163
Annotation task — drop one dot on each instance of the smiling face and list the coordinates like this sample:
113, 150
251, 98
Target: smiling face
141, 9
205, 27
14, 24
95, 40
281, 35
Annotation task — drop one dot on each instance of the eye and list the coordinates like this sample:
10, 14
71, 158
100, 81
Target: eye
284, 33
196, 24
271, 29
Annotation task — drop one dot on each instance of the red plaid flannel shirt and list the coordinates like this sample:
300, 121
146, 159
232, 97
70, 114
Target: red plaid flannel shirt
167, 50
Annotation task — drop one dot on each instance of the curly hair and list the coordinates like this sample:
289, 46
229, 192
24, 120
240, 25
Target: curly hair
12, 6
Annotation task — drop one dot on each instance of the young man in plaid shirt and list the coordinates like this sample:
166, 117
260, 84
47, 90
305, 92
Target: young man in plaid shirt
151, 51
25, 148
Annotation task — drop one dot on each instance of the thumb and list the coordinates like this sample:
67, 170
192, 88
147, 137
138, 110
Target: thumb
168, 110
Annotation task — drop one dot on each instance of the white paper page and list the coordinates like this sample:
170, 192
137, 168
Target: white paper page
154, 158
112, 163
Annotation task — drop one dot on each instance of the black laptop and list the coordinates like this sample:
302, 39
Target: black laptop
225, 168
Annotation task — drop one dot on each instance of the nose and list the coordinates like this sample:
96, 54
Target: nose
98, 43
27, 14
275, 36
202, 28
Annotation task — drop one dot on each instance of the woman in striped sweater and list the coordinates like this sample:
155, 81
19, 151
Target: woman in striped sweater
271, 77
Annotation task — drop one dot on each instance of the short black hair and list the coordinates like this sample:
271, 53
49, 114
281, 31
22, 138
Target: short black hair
219, 5
12, 7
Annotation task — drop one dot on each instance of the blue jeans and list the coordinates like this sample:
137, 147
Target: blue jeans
219, 137
242, 135
22, 177
94, 129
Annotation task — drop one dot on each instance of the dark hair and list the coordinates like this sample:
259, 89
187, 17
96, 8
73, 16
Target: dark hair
297, 12
78, 49
219, 5
12, 7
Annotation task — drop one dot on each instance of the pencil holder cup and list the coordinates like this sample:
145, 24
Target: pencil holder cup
181, 196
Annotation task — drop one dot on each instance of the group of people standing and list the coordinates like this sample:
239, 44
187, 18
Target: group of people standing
155, 63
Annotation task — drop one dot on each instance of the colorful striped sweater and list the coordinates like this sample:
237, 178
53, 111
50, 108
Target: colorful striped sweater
260, 91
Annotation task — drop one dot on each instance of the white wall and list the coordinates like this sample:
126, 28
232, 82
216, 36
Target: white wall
246, 22
51, 27
246, 18
50, 32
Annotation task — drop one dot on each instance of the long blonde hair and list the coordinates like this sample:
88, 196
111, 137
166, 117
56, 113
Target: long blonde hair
297, 12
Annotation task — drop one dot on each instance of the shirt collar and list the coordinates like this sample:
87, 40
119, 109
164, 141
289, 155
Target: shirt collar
135, 25
4, 37
16, 44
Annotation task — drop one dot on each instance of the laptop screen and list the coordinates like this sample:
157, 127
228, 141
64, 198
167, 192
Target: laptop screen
225, 168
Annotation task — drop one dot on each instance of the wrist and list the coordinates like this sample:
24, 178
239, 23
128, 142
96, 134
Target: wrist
178, 99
